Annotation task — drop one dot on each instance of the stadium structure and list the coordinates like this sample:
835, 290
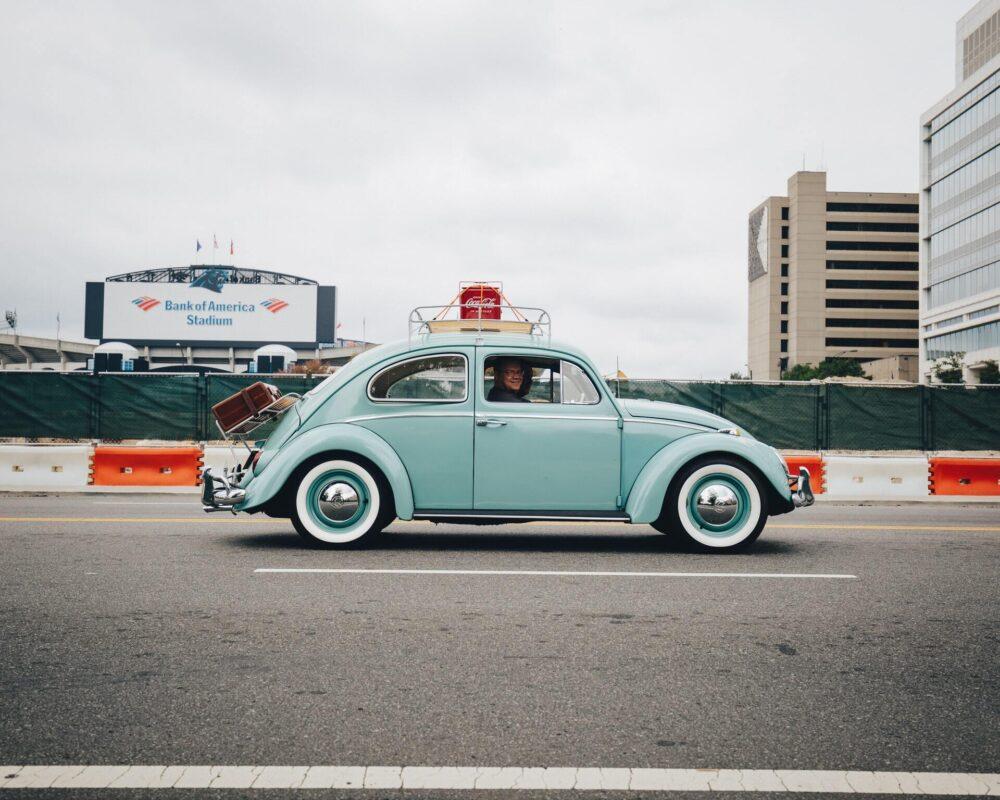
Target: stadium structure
198, 318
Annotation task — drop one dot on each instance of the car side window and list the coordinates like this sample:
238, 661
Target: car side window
518, 378
428, 379
537, 380
576, 388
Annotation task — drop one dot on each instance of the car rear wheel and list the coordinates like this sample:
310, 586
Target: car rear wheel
339, 502
714, 504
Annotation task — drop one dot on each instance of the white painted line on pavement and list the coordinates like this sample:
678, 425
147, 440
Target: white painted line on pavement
178, 503
550, 573
68, 776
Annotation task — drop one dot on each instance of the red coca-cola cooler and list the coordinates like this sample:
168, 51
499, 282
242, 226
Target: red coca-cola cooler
480, 301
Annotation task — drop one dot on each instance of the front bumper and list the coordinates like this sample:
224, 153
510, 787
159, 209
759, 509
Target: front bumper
222, 492
802, 494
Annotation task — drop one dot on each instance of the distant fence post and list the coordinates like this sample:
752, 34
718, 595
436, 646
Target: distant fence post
822, 417
201, 406
926, 419
95, 405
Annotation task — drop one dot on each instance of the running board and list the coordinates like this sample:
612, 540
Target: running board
522, 515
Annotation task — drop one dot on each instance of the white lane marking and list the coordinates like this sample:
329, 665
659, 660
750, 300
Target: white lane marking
68, 776
185, 503
550, 573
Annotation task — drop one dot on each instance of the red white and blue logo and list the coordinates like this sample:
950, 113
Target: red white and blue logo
274, 304
145, 303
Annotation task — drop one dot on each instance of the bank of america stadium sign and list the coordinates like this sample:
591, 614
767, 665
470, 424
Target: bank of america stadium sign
210, 312
228, 315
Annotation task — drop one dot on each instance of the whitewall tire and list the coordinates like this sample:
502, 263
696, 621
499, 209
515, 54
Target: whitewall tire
716, 504
337, 502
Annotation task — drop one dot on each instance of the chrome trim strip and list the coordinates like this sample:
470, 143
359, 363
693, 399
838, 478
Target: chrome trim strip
474, 515
414, 413
492, 414
677, 423
368, 389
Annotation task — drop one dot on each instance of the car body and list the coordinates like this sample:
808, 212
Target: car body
406, 430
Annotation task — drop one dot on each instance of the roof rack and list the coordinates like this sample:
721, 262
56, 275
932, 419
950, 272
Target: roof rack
519, 319
480, 307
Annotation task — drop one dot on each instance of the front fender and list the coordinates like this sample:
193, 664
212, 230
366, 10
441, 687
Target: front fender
336, 436
645, 500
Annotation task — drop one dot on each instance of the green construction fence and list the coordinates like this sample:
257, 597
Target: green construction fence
808, 416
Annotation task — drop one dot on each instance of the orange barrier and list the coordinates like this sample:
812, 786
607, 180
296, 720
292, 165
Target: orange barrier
965, 476
813, 463
146, 466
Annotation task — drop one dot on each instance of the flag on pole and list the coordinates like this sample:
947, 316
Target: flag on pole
232, 250
197, 245
215, 242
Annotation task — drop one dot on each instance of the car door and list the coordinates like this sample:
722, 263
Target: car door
561, 453
422, 406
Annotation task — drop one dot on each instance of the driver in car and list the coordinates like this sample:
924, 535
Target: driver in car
511, 381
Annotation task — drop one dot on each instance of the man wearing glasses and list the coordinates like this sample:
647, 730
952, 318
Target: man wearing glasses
511, 381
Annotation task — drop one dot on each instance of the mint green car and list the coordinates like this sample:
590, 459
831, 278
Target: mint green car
407, 431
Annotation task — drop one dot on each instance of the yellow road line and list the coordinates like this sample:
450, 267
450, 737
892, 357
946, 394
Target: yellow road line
424, 524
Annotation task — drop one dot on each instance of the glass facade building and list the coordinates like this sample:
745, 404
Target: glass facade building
960, 204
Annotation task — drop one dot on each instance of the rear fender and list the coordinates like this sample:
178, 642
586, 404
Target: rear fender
645, 500
337, 436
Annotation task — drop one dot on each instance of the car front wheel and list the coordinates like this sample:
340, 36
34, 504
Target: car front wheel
337, 503
716, 504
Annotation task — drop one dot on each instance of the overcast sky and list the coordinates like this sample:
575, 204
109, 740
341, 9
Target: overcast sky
598, 158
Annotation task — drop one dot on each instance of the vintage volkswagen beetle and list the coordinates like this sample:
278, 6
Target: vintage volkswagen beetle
407, 431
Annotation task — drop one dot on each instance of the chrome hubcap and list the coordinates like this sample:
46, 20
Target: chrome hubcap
338, 501
717, 504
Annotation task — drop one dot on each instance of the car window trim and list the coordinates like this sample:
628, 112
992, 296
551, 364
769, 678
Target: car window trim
552, 357
464, 398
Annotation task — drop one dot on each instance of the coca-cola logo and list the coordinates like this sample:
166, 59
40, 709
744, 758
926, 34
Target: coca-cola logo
481, 302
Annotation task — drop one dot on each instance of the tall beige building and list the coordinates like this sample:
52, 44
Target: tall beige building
832, 274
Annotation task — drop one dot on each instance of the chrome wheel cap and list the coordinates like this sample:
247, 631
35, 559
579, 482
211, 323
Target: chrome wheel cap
338, 502
717, 504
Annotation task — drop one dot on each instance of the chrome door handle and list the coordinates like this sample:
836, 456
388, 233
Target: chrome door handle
484, 422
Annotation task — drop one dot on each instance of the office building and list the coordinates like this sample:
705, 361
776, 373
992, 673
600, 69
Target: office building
832, 274
960, 204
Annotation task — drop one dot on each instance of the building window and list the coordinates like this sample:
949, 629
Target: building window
882, 227
979, 280
880, 285
876, 208
784, 326
782, 364
784, 231
901, 266
967, 340
784, 270
901, 247
784, 289
784, 212
784, 345
839, 342
850, 322
784, 251
983, 312
838, 302
947, 323
784, 306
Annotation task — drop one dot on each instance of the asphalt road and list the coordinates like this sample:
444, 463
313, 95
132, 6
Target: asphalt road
135, 630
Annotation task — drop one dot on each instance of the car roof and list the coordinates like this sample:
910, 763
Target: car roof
480, 339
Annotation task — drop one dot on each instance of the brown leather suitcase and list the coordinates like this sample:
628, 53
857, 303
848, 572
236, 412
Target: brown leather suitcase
247, 409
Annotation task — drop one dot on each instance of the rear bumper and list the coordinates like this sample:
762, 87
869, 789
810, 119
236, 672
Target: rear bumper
222, 492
